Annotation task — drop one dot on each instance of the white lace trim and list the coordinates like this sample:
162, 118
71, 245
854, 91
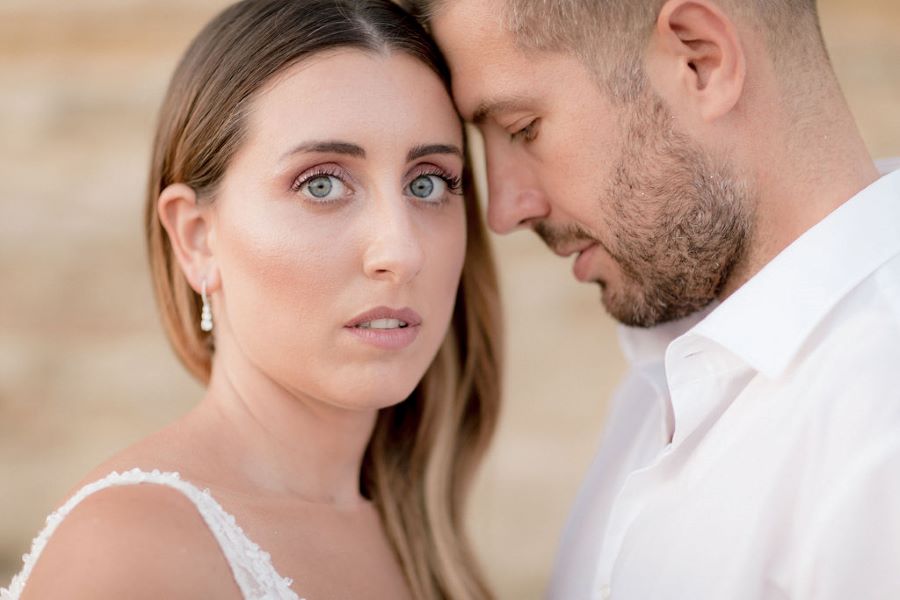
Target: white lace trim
251, 566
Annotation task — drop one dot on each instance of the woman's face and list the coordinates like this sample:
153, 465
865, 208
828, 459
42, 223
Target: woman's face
339, 231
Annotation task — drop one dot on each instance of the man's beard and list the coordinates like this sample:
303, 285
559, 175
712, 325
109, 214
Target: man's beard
679, 222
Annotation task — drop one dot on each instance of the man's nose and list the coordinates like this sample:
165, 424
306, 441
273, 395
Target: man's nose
515, 197
393, 250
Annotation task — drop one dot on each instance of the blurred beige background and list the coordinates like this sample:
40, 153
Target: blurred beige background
84, 367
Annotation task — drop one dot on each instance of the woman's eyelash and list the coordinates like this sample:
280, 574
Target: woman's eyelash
454, 182
307, 177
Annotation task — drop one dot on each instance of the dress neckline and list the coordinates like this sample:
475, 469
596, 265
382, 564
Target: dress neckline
251, 565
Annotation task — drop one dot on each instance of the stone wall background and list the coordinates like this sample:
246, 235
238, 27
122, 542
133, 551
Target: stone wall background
84, 367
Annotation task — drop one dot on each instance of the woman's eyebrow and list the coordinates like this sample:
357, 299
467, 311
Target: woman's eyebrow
426, 149
326, 147
338, 147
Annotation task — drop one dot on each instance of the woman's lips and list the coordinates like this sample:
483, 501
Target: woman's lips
387, 339
386, 328
583, 267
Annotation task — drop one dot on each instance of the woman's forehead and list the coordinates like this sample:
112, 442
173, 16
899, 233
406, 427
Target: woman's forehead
361, 96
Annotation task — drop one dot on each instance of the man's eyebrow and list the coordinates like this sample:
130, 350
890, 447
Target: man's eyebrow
426, 149
327, 147
489, 108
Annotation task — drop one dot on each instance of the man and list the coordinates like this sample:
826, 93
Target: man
698, 158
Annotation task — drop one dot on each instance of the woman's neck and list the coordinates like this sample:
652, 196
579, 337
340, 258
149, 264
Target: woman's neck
279, 441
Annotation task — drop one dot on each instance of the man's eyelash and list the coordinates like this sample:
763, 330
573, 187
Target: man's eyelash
527, 133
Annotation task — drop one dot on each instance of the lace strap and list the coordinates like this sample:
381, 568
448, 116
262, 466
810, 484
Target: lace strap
251, 566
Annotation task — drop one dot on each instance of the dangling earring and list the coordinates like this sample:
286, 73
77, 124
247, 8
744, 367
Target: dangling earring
206, 323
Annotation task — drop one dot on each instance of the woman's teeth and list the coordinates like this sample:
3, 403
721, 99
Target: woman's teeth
383, 324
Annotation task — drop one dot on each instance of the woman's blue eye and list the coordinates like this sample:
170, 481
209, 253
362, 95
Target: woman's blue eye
319, 187
323, 188
422, 187
428, 187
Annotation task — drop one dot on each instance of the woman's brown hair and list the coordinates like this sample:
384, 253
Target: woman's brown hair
421, 459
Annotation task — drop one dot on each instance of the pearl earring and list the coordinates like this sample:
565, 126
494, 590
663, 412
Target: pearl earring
206, 322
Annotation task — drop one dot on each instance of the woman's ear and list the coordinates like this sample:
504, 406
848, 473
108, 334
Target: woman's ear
698, 58
190, 232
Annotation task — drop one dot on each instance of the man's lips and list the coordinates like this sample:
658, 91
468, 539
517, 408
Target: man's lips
583, 266
585, 250
565, 250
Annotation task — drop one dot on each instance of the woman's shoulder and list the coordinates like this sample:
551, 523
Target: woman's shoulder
166, 450
115, 540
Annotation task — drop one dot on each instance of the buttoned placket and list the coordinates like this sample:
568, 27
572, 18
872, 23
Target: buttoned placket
692, 372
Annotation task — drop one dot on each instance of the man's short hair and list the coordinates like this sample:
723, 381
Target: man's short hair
610, 35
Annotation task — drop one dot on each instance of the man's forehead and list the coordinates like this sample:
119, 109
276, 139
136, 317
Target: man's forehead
473, 13
482, 54
467, 31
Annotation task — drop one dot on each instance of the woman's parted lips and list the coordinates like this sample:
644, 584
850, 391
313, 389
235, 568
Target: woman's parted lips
406, 315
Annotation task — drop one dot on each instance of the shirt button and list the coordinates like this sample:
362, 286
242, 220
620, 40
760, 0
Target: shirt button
605, 592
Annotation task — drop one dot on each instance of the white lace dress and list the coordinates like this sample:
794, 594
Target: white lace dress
251, 566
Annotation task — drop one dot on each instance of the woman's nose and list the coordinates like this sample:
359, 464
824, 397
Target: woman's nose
394, 250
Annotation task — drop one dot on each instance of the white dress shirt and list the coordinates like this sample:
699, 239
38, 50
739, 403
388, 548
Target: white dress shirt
753, 451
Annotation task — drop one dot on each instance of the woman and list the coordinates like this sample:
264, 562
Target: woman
321, 264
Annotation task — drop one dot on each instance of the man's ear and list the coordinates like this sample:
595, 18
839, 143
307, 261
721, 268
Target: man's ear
696, 57
190, 232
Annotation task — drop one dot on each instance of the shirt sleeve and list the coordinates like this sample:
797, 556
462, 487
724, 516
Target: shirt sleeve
854, 549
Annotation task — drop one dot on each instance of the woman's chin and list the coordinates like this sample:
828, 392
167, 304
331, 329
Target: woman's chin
374, 394
385, 398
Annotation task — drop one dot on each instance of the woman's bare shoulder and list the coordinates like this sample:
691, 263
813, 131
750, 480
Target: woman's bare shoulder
171, 449
135, 541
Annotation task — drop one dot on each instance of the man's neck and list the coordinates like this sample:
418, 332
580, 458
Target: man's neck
799, 183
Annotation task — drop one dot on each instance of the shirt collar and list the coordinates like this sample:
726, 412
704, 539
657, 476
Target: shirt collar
767, 320
647, 345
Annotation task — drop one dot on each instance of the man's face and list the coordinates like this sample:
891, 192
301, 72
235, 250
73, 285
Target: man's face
655, 220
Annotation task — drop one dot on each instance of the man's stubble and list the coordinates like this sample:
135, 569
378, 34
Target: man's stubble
678, 221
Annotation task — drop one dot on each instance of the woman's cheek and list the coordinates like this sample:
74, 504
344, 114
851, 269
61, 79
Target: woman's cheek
279, 283
449, 253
